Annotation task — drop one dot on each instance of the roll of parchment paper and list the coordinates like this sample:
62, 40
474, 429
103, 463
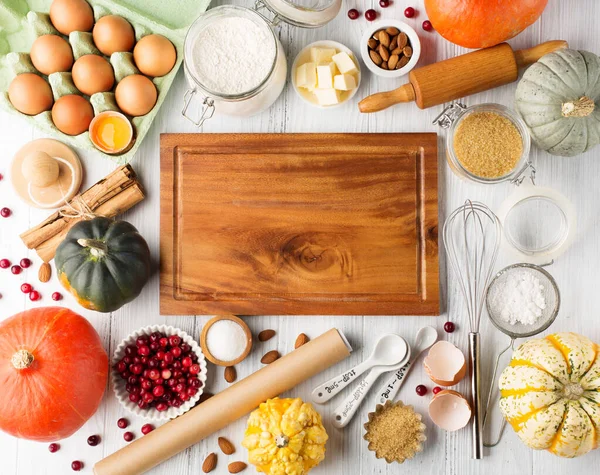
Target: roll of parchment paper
227, 406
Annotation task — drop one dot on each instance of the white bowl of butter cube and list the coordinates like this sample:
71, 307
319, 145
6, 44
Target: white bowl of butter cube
326, 74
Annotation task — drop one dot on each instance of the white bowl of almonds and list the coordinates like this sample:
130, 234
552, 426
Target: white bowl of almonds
390, 48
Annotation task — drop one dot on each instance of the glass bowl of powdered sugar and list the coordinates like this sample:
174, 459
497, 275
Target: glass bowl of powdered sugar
226, 340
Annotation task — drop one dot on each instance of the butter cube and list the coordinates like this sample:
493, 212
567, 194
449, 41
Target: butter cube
344, 82
327, 97
306, 76
344, 63
321, 55
325, 76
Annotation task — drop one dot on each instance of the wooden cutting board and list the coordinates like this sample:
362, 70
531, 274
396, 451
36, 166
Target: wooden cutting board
324, 224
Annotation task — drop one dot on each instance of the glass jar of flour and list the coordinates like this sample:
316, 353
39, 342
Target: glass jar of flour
233, 60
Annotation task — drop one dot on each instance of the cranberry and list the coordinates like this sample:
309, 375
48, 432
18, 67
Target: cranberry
153, 362
421, 390
436, 390
155, 337
160, 355
195, 383
128, 436
56, 296
158, 382
144, 350
163, 342
154, 346
176, 373
353, 14
171, 382
34, 295
136, 368
185, 347
147, 428
141, 340
176, 352
26, 288
134, 397
4, 263
122, 423
158, 391
427, 26
409, 12
76, 465
131, 350
371, 15
144, 360
53, 448
161, 406
148, 398
187, 362
125, 374
25, 263
154, 374
121, 366
174, 340
16, 269
137, 359
191, 391
5, 212
384, 3
93, 440
184, 396
176, 403
179, 387
169, 358
142, 404
147, 384
128, 360
1, 176
195, 369
449, 327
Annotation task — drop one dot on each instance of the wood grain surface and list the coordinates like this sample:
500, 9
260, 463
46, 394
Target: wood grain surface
342, 224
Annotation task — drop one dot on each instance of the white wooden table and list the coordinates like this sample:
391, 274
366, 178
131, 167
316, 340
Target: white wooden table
445, 453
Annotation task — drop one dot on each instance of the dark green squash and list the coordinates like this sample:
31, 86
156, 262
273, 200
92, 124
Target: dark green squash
103, 263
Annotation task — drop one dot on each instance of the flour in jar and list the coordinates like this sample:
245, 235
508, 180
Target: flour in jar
233, 55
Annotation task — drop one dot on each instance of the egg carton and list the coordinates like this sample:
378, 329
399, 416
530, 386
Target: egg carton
20, 27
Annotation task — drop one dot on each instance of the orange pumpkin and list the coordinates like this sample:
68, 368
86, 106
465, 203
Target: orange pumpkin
53, 373
482, 23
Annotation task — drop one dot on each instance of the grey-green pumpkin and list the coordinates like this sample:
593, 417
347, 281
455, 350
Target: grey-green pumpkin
103, 263
559, 100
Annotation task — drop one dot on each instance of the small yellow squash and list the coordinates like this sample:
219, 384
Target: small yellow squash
285, 437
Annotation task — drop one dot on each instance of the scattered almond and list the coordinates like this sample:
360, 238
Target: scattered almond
301, 339
393, 61
384, 38
204, 396
226, 447
230, 374
266, 335
210, 462
270, 356
45, 272
392, 31
236, 467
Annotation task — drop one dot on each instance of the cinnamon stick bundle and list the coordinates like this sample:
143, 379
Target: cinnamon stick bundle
114, 194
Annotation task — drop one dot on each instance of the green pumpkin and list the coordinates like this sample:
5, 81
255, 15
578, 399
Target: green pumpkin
103, 263
559, 100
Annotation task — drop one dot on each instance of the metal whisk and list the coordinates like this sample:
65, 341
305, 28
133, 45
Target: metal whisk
472, 236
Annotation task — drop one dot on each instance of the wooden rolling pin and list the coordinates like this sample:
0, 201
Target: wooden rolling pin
461, 76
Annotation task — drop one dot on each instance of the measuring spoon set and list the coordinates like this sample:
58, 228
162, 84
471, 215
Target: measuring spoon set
391, 353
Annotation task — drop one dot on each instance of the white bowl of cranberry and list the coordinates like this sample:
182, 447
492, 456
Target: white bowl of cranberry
159, 372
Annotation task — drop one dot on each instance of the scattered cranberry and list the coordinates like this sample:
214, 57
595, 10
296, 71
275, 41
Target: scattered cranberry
1, 176
56, 296
353, 14
26, 288
427, 26
76, 465
147, 428
34, 295
122, 423
384, 3
93, 440
409, 12
449, 327
53, 448
4, 263
370, 15
421, 390
16, 269
25, 263
128, 436
5, 212
436, 390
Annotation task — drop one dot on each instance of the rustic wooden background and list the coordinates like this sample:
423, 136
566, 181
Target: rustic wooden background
445, 453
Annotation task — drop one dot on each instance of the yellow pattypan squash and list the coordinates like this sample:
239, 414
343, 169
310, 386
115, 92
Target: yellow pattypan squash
285, 437
550, 394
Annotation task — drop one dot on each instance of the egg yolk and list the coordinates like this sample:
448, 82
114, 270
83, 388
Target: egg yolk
113, 133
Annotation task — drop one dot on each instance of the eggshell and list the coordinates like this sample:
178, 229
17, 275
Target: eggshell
154, 55
51, 54
30, 94
71, 15
450, 410
72, 114
92, 74
445, 364
112, 34
136, 95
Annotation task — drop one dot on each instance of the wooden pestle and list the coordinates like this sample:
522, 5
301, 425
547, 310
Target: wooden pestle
461, 76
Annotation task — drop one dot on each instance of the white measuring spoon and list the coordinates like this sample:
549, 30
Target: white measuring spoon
426, 337
344, 413
389, 350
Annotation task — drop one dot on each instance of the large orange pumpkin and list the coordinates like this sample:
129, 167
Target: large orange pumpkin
53, 373
482, 23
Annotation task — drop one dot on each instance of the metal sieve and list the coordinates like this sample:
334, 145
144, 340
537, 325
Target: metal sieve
519, 330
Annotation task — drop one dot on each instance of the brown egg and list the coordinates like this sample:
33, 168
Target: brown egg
136, 95
92, 74
71, 15
30, 94
72, 114
51, 54
113, 33
154, 55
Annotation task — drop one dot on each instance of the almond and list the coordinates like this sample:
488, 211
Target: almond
301, 340
373, 43
266, 335
226, 447
270, 356
384, 38
392, 31
375, 57
230, 374
376, 34
210, 462
236, 467
383, 52
393, 43
403, 62
397, 51
384, 65
45, 272
393, 61
407, 51
402, 40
